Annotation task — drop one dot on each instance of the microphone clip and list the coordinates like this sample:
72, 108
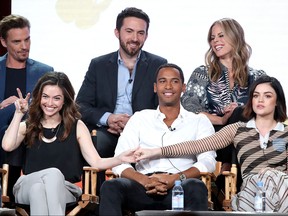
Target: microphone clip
171, 129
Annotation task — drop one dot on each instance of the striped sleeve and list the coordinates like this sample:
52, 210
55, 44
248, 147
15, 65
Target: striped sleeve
219, 140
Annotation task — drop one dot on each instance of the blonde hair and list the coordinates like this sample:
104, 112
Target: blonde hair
241, 52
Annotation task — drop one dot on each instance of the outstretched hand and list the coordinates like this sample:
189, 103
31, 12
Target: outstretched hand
21, 104
143, 153
128, 156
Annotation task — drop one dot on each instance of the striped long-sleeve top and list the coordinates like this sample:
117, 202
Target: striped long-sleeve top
251, 156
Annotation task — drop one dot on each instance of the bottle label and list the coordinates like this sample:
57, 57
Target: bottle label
258, 203
178, 202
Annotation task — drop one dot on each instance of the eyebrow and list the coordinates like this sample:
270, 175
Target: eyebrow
17, 40
269, 92
53, 96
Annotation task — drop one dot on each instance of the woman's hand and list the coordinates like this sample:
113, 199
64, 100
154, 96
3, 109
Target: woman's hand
230, 108
21, 104
127, 156
142, 153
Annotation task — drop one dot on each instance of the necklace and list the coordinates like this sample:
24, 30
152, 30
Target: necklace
53, 138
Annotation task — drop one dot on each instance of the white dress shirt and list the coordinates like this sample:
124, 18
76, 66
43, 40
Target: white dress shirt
147, 129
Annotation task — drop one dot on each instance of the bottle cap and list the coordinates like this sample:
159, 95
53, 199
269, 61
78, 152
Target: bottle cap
177, 182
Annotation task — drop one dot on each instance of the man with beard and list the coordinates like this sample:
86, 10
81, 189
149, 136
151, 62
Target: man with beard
120, 83
17, 70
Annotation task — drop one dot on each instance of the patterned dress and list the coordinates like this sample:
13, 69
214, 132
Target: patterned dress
268, 163
202, 95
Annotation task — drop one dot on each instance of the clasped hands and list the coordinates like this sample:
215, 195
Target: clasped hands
158, 184
117, 122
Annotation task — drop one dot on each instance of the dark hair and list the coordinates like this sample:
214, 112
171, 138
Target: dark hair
69, 112
12, 22
131, 12
170, 65
280, 110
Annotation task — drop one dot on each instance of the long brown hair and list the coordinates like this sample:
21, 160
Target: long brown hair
69, 111
241, 52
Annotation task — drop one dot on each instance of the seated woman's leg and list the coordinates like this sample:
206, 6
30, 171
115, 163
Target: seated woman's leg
43, 190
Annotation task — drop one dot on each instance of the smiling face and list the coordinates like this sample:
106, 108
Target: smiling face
264, 100
220, 42
169, 87
52, 100
132, 36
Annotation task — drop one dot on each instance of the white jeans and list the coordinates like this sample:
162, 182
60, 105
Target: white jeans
46, 192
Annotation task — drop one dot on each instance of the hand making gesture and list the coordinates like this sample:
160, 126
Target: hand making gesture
21, 104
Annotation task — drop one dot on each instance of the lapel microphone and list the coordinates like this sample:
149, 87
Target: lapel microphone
171, 129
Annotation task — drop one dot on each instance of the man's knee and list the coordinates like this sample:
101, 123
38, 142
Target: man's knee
195, 186
196, 195
110, 186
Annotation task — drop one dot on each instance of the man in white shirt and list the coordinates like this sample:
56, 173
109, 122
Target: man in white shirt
149, 185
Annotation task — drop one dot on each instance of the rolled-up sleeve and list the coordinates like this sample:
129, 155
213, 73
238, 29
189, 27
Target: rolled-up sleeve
206, 161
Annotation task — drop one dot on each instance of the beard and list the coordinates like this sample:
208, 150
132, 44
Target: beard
22, 57
130, 51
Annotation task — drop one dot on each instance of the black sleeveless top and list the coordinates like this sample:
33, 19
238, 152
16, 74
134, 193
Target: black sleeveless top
66, 156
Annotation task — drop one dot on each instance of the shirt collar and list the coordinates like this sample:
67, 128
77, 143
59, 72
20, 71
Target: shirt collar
252, 124
264, 139
120, 61
160, 115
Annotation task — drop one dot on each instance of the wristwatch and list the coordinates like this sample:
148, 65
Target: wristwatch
182, 177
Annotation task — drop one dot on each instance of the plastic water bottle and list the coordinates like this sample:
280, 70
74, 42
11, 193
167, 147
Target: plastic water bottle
260, 198
177, 196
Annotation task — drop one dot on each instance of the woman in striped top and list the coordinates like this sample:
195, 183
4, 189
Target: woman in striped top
261, 146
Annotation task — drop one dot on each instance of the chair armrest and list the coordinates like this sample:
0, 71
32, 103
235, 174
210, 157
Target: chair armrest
90, 181
206, 177
230, 186
110, 174
5, 172
89, 200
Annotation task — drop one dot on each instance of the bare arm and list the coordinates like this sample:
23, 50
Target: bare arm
130, 173
15, 133
221, 120
91, 155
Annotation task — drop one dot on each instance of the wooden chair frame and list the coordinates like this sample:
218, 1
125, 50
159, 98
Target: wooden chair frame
87, 201
230, 187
